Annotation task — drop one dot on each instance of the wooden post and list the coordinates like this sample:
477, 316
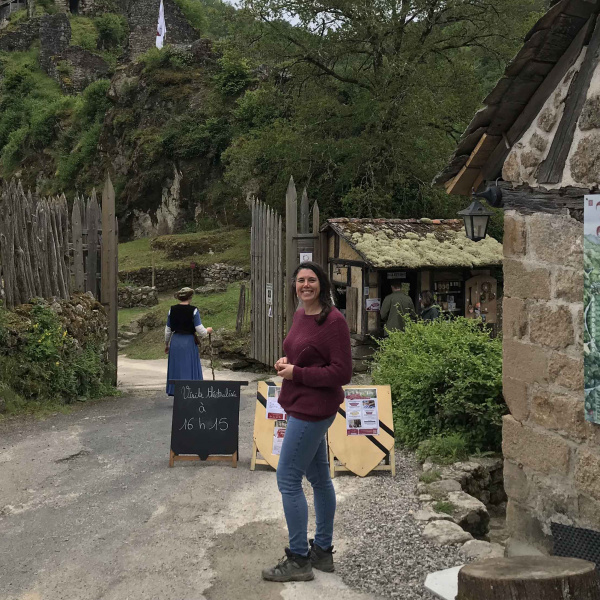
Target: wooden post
92, 246
77, 239
291, 247
316, 223
304, 212
239, 322
109, 269
529, 578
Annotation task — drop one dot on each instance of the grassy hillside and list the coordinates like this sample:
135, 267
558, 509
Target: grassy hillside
218, 311
230, 246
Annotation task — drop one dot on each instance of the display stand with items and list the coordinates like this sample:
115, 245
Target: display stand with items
449, 295
481, 298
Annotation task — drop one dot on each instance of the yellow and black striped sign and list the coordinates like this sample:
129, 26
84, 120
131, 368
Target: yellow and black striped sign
359, 454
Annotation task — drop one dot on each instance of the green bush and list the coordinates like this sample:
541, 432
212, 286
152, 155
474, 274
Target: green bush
12, 151
446, 378
444, 449
112, 30
166, 58
234, 75
71, 163
84, 33
49, 364
94, 103
193, 11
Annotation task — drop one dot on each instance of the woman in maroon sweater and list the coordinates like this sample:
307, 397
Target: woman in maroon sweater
317, 364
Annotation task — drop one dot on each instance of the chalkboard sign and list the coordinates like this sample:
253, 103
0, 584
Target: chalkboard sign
205, 420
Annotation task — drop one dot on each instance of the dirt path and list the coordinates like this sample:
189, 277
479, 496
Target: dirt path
90, 510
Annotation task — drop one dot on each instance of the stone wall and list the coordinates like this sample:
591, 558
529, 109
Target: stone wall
55, 36
143, 16
173, 278
75, 68
20, 38
130, 297
552, 461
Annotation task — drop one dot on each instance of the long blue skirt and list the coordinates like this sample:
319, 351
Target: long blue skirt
184, 360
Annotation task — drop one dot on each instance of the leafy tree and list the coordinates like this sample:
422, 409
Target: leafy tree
376, 93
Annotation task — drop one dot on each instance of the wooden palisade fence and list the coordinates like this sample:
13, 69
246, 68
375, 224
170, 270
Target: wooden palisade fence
267, 320
44, 254
34, 246
273, 303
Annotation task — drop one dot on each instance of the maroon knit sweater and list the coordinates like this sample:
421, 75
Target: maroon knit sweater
322, 362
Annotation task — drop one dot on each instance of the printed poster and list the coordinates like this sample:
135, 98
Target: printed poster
373, 304
278, 435
591, 307
362, 415
274, 411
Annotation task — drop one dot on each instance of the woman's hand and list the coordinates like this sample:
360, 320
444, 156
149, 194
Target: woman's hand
286, 371
209, 330
166, 349
279, 364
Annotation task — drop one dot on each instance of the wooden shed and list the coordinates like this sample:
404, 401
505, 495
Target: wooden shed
365, 255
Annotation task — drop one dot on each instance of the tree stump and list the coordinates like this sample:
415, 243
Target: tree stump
529, 578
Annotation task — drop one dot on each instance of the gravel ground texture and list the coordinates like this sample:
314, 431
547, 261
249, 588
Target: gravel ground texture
390, 558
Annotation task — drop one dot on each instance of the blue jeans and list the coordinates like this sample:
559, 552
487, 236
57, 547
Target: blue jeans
304, 452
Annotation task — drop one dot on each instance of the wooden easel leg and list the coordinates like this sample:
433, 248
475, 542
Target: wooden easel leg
331, 464
171, 459
253, 457
234, 459
393, 460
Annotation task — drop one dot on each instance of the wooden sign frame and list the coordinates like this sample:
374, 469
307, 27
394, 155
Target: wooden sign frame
233, 458
264, 428
359, 454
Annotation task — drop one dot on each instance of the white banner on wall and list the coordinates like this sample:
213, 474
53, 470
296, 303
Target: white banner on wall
591, 307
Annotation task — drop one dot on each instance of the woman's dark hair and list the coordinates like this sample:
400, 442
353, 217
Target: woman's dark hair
427, 298
325, 294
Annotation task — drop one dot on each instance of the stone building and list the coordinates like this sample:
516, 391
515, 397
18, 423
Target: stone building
538, 135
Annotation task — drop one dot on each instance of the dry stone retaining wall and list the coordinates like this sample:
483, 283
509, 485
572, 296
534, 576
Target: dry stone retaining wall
173, 278
130, 296
551, 453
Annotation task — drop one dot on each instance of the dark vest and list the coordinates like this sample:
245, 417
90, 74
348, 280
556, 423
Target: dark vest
182, 318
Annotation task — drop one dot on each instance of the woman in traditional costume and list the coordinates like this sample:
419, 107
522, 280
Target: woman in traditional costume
181, 344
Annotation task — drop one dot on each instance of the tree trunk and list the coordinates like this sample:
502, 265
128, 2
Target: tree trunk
529, 578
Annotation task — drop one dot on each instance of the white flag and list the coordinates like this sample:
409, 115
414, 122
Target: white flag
161, 31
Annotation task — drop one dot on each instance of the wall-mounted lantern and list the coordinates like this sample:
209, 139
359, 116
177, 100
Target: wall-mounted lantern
477, 216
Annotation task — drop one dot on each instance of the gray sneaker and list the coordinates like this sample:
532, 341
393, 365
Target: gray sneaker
321, 559
292, 567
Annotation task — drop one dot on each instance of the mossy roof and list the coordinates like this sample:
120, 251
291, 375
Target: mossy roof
416, 243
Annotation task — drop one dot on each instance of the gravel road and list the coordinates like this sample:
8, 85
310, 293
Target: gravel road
390, 557
90, 510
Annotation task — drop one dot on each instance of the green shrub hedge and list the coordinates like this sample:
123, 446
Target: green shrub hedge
41, 362
446, 378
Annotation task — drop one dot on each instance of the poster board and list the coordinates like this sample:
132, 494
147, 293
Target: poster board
364, 451
265, 434
358, 451
205, 423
